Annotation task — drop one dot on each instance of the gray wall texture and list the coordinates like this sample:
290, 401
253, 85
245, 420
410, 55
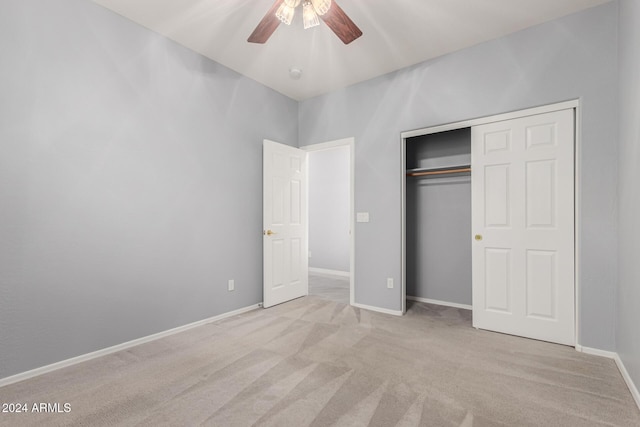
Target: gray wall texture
329, 187
130, 182
572, 57
628, 313
438, 226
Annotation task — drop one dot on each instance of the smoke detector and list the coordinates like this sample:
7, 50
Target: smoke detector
295, 73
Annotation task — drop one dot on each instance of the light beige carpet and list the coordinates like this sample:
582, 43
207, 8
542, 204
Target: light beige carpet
314, 362
326, 286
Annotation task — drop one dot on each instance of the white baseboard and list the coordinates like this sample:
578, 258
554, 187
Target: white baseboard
436, 302
627, 378
596, 352
378, 309
329, 272
623, 370
119, 347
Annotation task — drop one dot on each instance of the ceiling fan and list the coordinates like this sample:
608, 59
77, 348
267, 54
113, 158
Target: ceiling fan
283, 11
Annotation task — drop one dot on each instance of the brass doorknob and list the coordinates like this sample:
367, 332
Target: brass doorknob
478, 237
269, 233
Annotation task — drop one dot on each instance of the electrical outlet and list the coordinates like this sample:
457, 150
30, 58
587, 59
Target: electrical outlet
231, 285
390, 283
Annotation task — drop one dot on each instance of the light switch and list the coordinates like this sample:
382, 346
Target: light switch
362, 217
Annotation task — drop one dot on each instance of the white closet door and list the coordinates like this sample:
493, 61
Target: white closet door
523, 222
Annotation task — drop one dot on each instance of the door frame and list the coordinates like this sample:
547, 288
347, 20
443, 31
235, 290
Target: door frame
349, 142
574, 104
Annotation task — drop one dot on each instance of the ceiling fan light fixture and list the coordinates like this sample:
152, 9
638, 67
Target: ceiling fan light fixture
286, 11
321, 6
328, 10
309, 16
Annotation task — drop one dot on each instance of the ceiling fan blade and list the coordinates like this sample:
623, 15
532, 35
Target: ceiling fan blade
267, 26
341, 24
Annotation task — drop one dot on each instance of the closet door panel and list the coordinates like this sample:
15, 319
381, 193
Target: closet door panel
542, 280
497, 269
498, 201
540, 194
523, 205
498, 141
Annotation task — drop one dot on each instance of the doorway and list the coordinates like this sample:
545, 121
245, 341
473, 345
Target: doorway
331, 212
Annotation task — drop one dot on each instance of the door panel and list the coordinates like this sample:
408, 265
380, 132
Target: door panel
495, 142
285, 223
277, 263
496, 182
541, 284
523, 215
296, 202
540, 194
497, 278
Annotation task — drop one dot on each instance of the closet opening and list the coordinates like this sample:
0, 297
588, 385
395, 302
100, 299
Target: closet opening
438, 218
489, 220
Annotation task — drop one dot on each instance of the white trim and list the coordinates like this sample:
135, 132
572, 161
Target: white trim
352, 223
577, 165
566, 105
351, 143
596, 352
627, 379
437, 302
328, 145
403, 223
378, 309
623, 370
119, 347
329, 272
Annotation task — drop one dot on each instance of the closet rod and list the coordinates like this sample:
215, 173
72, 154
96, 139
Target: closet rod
439, 172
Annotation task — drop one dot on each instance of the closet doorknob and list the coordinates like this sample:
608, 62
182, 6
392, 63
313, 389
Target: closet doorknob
269, 233
478, 237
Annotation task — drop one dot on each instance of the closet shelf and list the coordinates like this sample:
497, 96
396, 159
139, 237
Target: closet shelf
439, 171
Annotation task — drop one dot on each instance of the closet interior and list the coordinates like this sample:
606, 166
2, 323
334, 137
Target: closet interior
438, 217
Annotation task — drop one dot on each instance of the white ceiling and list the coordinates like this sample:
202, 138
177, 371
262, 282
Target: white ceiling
397, 33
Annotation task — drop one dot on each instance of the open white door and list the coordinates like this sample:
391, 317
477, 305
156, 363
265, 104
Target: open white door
286, 263
523, 221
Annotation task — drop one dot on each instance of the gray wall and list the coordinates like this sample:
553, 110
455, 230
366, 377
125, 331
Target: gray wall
438, 239
130, 182
573, 57
439, 219
329, 186
628, 332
